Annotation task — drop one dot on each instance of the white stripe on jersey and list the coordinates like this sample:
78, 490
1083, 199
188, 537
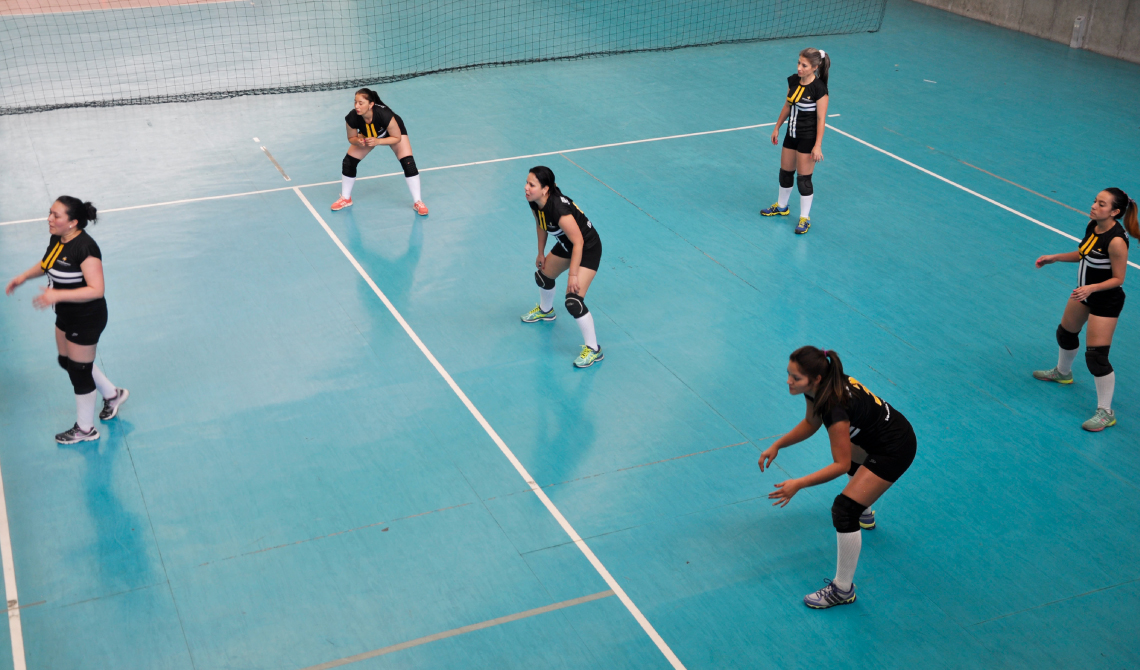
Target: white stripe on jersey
64, 275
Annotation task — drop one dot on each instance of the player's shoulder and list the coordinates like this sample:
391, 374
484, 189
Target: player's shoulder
794, 80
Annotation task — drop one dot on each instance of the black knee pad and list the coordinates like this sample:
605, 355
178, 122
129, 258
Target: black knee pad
348, 166
845, 514
1097, 360
63, 361
804, 181
542, 280
409, 165
1067, 340
81, 378
786, 178
576, 306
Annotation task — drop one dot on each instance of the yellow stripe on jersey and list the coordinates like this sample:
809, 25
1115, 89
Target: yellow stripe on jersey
542, 219
50, 260
1085, 248
370, 130
796, 95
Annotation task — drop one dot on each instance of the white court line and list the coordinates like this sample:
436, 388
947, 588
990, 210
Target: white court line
577, 539
393, 174
957, 185
15, 628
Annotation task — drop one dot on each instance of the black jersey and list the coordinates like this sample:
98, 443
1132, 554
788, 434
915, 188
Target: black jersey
1095, 264
875, 425
803, 99
62, 263
558, 206
381, 117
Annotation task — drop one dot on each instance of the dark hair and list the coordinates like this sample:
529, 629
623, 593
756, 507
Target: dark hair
1127, 207
545, 177
827, 366
374, 97
77, 210
819, 60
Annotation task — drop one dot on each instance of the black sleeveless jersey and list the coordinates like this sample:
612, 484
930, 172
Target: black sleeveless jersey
802, 99
875, 425
1095, 264
62, 262
381, 117
558, 206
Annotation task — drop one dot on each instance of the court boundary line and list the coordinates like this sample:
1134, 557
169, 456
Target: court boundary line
967, 190
461, 630
522, 471
15, 626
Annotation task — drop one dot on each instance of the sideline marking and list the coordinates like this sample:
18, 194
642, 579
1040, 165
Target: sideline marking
959, 186
460, 631
15, 628
577, 539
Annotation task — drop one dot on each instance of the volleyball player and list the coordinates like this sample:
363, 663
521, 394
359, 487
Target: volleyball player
1098, 298
370, 124
870, 440
577, 248
805, 110
74, 266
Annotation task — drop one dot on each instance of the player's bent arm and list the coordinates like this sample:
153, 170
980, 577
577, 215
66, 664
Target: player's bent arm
1070, 257
30, 273
354, 136
840, 435
1118, 256
821, 118
92, 274
570, 227
785, 111
803, 430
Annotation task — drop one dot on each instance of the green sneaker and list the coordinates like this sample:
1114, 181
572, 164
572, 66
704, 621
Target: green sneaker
537, 314
1053, 376
1104, 418
588, 357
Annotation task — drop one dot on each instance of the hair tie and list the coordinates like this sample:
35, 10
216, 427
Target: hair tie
826, 352
822, 54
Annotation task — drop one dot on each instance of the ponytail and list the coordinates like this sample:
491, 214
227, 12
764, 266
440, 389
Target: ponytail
545, 177
819, 60
1127, 209
832, 382
77, 210
371, 95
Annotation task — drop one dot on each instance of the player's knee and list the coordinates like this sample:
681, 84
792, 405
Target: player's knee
348, 166
543, 281
845, 514
82, 379
1067, 340
1097, 360
63, 361
576, 306
409, 165
787, 177
804, 182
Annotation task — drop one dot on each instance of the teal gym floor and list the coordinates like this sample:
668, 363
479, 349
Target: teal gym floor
295, 484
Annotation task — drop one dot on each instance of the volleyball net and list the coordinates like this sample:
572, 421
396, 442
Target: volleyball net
88, 53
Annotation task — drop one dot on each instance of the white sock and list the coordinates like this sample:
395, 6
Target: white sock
1104, 387
85, 411
805, 205
106, 388
414, 187
586, 323
546, 299
1065, 360
346, 186
849, 546
785, 196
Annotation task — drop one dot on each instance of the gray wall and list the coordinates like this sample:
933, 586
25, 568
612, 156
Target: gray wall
1111, 27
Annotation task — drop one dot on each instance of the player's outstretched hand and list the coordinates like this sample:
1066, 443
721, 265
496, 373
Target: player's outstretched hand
784, 492
817, 154
1044, 260
45, 299
16, 281
767, 457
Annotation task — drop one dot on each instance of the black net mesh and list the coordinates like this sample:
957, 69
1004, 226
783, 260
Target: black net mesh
70, 53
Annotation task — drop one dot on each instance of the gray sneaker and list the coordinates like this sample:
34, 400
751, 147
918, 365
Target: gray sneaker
77, 434
1104, 418
111, 405
1053, 376
829, 596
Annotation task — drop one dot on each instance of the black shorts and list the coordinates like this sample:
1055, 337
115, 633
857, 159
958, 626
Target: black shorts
890, 461
591, 258
83, 329
400, 122
1107, 304
802, 145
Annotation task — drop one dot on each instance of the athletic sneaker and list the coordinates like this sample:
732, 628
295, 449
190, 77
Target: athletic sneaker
867, 520
77, 434
829, 596
803, 226
111, 405
341, 204
1104, 418
1053, 376
775, 210
537, 314
588, 357
419, 206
